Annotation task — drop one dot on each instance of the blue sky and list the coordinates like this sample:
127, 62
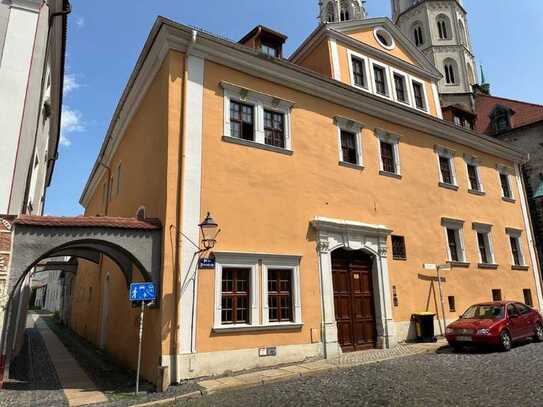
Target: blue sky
105, 38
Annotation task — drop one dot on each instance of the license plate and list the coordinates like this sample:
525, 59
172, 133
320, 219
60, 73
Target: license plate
464, 338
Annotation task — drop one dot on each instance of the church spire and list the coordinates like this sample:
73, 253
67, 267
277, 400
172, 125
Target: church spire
333, 11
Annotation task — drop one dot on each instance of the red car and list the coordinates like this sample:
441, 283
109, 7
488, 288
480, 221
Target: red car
496, 324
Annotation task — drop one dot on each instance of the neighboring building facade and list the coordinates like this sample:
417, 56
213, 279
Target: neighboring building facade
32, 49
520, 124
333, 180
440, 30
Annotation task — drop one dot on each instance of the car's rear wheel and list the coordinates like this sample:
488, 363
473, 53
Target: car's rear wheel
505, 341
538, 334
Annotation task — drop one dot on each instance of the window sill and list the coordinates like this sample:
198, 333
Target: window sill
460, 264
520, 268
487, 266
390, 174
253, 144
399, 258
257, 328
351, 165
510, 200
476, 192
449, 186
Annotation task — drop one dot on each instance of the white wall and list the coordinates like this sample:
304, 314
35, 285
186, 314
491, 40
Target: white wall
14, 71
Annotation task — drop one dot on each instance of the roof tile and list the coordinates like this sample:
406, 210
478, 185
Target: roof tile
86, 222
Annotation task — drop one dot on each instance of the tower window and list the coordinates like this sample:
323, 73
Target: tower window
417, 35
330, 12
449, 74
344, 14
443, 27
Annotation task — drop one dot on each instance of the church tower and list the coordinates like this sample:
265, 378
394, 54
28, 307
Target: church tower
334, 11
440, 30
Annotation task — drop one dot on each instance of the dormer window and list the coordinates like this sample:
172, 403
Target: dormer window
269, 50
501, 118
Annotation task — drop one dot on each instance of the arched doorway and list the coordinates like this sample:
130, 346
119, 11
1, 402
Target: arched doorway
354, 299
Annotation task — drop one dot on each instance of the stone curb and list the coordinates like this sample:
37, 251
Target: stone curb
188, 396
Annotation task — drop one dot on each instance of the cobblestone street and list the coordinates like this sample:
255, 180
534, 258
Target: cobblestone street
444, 378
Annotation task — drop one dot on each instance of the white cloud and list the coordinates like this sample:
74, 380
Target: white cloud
70, 83
71, 122
80, 22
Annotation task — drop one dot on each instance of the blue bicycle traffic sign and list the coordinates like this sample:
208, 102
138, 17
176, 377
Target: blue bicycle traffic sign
142, 292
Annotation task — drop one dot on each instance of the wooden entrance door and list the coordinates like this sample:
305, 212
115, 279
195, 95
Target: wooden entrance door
353, 300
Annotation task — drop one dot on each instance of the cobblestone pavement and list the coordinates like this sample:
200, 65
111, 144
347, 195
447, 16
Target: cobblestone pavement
35, 382
444, 378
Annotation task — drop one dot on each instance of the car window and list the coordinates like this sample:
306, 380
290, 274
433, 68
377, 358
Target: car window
511, 310
484, 312
523, 309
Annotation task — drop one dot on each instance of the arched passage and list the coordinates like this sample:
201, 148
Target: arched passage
130, 243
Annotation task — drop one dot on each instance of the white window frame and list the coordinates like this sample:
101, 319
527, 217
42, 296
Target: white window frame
474, 161
260, 102
412, 80
376, 31
486, 230
351, 55
385, 137
282, 264
408, 88
458, 226
351, 126
258, 265
387, 79
449, 154
502, 169
516, 234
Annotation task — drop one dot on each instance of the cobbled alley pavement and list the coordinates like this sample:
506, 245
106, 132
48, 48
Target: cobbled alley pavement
445, 378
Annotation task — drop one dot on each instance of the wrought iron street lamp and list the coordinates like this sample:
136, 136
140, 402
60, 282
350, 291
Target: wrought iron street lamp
210, 230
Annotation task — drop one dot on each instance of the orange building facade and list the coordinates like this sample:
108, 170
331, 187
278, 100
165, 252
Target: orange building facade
333, 179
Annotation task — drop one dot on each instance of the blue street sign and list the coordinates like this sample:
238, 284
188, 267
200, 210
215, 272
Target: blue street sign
142, 292
207, 264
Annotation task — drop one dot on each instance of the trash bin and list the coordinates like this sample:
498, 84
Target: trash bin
424, 326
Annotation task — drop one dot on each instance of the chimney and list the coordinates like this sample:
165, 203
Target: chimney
267, 41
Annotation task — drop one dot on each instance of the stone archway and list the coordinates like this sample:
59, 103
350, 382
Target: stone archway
130, 243
351, 235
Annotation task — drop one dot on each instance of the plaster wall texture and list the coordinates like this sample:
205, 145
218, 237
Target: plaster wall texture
264, 202
14, 73
149, 159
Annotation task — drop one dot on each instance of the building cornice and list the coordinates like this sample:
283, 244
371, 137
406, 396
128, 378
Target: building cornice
167, 35
28, 5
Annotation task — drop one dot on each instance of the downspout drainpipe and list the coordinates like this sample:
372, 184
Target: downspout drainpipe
178, 227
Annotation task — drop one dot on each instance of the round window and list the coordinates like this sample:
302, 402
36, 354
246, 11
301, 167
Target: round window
384, 38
